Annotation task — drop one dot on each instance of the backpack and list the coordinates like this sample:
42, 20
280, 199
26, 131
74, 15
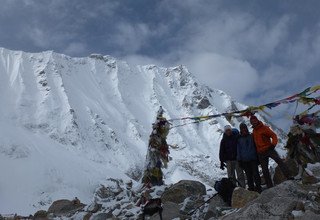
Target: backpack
225, 188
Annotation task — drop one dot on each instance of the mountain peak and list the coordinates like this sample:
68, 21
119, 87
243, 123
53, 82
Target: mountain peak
68, 123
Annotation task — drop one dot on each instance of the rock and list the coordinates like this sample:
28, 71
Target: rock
190, 204
129, 214
87, 216
274, 203
204, 103
65, 207
241, 196
309, 179
308, 215
300, 207
170, 211
102, 216
182, 190
111, 189
214, 210
278, 175
94, 207
41, 215
116, 212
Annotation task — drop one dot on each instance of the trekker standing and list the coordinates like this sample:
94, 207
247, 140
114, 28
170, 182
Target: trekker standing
228, 154
266, 140
248, 159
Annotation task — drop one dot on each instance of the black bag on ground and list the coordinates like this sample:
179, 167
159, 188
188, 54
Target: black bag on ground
225, 188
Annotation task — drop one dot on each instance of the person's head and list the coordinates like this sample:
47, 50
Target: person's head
228, 130
244, 129
254, 121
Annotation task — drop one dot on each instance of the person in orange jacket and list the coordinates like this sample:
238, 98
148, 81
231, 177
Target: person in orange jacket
266, 140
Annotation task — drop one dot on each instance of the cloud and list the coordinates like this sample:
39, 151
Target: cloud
142, 60
238, 35
131, 37
75, 48
254, 51
232, 75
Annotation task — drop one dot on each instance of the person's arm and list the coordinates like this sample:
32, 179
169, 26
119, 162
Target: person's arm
221, 151
272, 135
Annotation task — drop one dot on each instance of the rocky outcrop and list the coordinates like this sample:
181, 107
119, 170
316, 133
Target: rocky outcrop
189, 200
241, 196
280, 202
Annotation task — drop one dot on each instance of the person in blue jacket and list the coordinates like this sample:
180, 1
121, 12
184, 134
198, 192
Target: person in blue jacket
228, 155
248, 159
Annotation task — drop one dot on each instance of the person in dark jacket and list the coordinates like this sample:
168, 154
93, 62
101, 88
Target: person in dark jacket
228, 155
248, 159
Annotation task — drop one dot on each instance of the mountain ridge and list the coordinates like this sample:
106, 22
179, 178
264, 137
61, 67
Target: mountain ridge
69, 123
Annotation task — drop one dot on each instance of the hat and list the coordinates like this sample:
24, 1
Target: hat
253, 118
243, 125
227, 127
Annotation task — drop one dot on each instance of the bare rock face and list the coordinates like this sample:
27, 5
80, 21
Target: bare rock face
204, 103
182, 190
241, 196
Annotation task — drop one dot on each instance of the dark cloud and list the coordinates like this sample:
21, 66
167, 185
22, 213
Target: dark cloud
255, 50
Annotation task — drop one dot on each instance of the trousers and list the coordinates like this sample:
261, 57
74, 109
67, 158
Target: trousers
264, 161
233, 168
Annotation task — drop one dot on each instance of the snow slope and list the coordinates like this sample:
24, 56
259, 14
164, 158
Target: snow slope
68, 123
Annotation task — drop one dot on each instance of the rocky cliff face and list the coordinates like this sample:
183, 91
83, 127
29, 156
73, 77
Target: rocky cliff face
68, 123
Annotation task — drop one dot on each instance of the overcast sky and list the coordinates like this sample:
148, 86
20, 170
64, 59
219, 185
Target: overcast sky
256, 51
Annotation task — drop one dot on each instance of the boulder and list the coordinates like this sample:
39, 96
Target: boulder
170, 211
241, 196
65, 207
274, 203
214, 207
190, 204
178, 192
278, 175
40, 215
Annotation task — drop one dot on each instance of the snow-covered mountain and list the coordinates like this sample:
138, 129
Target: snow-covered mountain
68, 123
